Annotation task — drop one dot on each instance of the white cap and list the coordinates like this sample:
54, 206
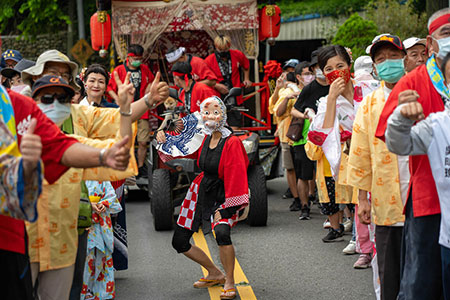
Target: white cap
363, 66
175, 55
412, 41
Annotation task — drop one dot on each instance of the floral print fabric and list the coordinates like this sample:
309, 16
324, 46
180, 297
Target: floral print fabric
99, 269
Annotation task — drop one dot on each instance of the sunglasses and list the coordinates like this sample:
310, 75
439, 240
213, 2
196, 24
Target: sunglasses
61, 98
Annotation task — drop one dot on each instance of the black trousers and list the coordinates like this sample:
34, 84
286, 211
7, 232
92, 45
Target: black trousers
421, 268
15, 276
182, 236
389, 246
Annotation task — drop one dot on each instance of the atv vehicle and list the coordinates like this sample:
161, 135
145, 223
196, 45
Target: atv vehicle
169, 181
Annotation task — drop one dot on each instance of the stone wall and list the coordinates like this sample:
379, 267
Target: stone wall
32, 49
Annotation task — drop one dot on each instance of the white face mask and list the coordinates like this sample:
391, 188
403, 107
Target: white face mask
18, 88
307, 79
319, 74
56, 111
444, 47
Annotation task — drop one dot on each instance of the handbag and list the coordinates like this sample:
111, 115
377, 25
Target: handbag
295, 129
85, 210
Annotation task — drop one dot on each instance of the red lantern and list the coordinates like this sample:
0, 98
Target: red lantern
100, 30
261, 37
270, 21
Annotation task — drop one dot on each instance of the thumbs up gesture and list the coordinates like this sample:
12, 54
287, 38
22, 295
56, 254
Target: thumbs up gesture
31, 149
118, 156
159, 90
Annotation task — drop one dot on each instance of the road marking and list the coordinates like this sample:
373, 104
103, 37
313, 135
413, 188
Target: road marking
245, 291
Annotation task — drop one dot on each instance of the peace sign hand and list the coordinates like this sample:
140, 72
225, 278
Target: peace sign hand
125, 91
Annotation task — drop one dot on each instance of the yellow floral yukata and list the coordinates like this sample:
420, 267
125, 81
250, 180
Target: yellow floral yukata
371, 166
53, 237
284, 120
344, 193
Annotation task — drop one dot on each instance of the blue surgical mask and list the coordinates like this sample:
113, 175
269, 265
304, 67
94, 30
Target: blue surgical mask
444, 47
56, 111
391, 70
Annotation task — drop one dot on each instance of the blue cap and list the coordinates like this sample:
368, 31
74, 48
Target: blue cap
11, 54
291, 63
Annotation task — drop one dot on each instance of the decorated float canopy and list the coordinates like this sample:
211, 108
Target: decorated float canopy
161, 25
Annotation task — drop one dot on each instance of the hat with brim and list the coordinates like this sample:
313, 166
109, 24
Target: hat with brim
292, 63
51, 81
17, 70
314, 59
413, 41
382, 40
12, 55
50, 56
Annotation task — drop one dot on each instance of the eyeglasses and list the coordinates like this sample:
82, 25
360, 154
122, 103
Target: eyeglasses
50, 98
66, 76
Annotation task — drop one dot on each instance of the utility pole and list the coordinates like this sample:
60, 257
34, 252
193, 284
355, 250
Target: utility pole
80, 14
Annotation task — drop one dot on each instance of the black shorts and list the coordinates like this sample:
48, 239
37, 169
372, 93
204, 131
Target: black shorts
304, 167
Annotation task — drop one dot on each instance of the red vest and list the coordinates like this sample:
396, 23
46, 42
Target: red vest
146, 79
424, 193
238, 59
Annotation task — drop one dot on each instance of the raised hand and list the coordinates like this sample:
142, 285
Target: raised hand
413, 111
407, 96
281, 81
118, 156
159, 91
31, 149
336, 88
125, 91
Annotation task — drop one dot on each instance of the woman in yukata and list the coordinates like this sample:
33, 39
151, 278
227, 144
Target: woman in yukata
215, 197
330, 132
98, 281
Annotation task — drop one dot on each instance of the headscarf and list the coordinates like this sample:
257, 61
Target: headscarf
221, 128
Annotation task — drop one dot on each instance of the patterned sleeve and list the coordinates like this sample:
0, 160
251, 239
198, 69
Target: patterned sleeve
359, 163
109, 198
327, 138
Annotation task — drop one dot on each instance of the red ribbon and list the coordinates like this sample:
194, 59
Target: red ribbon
436, 24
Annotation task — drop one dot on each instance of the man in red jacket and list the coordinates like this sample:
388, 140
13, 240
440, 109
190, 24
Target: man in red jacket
225, 64
141, 77
193, 92
200, 70
421, 257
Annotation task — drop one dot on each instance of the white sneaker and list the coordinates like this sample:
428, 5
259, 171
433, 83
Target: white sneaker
348, 224
350, 249
326, 224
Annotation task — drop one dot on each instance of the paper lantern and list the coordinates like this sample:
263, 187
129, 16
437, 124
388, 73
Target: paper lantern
270, 21
100, 30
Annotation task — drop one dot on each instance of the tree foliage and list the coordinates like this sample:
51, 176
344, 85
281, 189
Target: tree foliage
32, 17
294, 8
403, 20
356, 33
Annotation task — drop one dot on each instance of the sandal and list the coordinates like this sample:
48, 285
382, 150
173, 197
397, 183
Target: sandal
228, 294
206, 283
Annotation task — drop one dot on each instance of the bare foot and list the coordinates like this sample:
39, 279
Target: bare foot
215, 275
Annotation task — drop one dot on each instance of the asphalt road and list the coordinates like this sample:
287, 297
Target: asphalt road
285, 260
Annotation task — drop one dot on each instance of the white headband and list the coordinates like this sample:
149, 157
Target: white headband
175, 55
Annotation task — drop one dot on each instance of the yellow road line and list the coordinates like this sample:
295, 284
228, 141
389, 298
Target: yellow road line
245, 292
200, 241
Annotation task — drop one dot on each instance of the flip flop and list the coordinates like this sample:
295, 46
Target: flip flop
224, 293
206, 283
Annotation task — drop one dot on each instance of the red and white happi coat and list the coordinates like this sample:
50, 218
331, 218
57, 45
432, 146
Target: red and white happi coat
233, 171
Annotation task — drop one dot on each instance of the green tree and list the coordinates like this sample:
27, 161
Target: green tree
356, 33
32, 17
402, 20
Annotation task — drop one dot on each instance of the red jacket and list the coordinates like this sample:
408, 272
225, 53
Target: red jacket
146, 79
54, 144
424, 193
238, 59
200, 70
199, 92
